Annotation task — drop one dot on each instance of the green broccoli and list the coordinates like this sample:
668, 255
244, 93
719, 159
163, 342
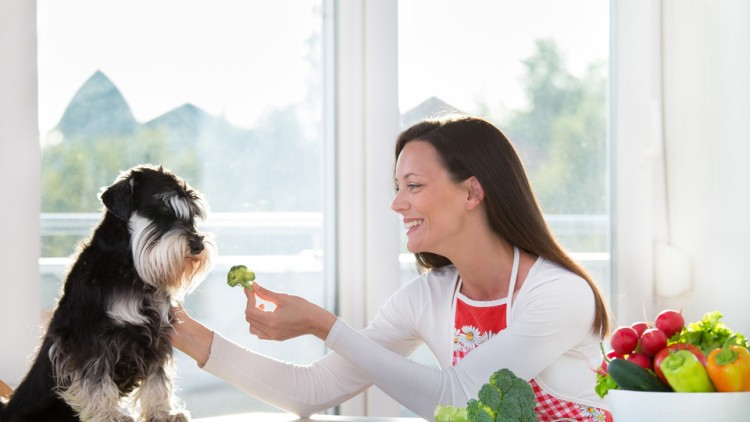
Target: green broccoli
479, 412
517, 397
240, 275
505, 398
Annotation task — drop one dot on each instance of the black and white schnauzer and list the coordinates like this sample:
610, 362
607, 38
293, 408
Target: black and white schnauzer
109, 336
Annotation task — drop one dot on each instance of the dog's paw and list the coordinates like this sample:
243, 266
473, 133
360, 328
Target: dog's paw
120, 418
177, 417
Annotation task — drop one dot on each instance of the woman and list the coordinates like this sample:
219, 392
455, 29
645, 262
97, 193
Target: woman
497, 291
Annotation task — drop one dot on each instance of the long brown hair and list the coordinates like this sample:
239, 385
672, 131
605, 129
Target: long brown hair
471, 146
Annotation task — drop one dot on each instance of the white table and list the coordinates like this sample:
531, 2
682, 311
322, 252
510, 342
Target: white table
285, 417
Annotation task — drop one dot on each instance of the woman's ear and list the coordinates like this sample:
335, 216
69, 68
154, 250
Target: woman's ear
475, 193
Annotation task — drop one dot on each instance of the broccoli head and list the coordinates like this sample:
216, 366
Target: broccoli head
505, 398
517, 400
240, 275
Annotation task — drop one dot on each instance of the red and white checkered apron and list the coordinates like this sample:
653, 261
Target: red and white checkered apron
476, 323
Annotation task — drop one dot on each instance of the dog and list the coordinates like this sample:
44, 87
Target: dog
107, 345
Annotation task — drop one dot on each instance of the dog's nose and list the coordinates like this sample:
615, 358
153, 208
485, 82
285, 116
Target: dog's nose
196, 245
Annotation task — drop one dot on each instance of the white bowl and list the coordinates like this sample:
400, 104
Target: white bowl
636, 406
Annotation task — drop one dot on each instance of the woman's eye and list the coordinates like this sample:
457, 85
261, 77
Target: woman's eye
413, 186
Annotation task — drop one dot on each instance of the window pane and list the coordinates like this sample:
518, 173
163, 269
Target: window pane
228, 95
538, 70
542, 78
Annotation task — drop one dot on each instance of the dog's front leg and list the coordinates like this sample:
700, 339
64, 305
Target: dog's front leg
156, 400
95, 399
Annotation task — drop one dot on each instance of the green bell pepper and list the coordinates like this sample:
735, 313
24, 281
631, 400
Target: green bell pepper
685, 373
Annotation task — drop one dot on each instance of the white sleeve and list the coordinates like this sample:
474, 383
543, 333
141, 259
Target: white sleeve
299, 389
305, 389
550, 319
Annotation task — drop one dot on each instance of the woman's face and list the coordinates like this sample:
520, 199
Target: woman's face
431, 204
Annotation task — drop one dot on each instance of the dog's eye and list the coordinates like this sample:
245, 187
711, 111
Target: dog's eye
164, 210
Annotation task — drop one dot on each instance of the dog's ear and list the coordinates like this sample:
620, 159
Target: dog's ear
118, 198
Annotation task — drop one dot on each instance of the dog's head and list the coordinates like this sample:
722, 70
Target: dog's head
161, 211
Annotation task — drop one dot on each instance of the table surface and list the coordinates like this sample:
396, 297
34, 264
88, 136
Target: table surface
285, 417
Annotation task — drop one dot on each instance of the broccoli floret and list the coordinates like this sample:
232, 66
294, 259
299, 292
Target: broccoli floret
240, 275
445, 413
490, 396
517, 397
505, 398
479, 412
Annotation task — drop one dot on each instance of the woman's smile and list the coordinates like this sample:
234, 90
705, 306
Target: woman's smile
411, 225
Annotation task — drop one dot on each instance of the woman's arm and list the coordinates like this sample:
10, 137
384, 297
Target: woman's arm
190, 336
300, 389
557, 316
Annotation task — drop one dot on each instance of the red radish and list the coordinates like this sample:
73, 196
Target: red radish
610, 355
663, 353
640, 327
652, 341
670, 322
624, 340
641, 360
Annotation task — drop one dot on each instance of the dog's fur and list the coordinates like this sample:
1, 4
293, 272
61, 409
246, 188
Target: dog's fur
109, 336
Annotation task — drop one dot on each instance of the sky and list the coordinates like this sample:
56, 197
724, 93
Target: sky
469, 50
241, 58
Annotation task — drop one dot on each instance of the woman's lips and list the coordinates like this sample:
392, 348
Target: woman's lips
411, 225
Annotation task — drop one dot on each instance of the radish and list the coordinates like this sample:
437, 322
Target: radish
610, 355
624, 340
640, 327
641, 360
652, 341
670, 322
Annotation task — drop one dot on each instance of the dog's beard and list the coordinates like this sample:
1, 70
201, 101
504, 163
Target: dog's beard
164, 260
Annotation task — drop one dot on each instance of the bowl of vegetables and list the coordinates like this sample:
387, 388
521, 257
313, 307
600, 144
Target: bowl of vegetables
670, 371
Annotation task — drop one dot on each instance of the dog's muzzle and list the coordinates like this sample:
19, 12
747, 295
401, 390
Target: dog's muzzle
196, 245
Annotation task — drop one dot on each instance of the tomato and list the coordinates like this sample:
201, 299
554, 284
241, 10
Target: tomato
663, 353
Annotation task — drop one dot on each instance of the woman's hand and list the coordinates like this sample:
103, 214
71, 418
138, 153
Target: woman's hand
190, 336
292, 316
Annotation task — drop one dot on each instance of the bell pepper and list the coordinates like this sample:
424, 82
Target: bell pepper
686, 374
729, 368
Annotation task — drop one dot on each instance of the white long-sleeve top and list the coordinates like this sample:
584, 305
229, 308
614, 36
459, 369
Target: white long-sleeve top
548, 338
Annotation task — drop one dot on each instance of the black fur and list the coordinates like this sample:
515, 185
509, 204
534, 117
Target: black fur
109, 335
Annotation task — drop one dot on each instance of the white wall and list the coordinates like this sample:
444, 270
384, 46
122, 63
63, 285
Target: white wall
682, 120
706, 79
20, 305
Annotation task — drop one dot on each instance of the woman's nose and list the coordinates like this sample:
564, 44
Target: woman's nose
398, 203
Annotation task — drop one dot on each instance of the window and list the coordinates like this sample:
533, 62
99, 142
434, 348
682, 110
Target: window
542, 78
236, 97
230, 96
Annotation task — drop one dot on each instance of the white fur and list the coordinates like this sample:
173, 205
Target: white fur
93, 395
166, 263
127, 310
181, 207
